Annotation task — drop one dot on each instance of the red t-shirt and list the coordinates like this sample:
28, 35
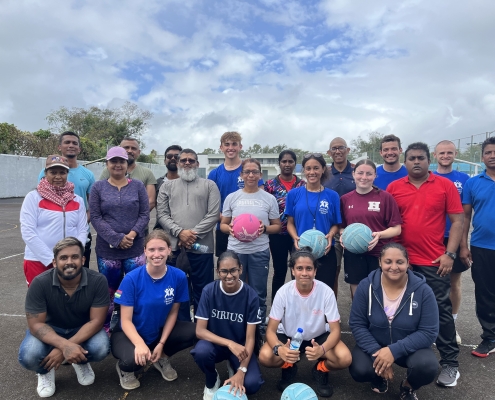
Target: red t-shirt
376, 209
424, 212
287, 185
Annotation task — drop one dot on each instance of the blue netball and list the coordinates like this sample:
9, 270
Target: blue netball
356, 238
314, 239
223, 394
299, 391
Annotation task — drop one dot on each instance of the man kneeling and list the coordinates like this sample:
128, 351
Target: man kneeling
65, 307
304, 303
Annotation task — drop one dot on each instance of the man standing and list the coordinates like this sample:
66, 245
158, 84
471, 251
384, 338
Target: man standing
228, 178
135, 171
391, 170
342, 181
188, 209
479, 196
425, 200
69, 145
445, 153
66, 307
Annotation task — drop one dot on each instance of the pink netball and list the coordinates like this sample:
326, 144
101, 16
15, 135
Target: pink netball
246, 227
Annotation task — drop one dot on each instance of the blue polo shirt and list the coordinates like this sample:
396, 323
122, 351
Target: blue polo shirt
458, 179
341, 182
479, 192
385, 178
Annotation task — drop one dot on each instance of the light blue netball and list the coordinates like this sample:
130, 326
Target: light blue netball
314, 239
299, 391
356, 238
223, 394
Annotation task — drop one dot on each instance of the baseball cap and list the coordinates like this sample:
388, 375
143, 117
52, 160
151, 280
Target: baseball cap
56, 161
115, 152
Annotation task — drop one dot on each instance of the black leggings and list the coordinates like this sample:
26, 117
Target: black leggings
422, 367
183, 335
327, 268
280, 247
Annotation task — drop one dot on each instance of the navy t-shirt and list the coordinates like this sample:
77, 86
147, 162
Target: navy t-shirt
228, 314
341, 182
151, 299
384, 178
459, 179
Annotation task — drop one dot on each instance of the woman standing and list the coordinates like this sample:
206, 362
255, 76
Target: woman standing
394, 319
255, 255
48, 214
374, 208
315, 207
281, 244
149, 331
119, 210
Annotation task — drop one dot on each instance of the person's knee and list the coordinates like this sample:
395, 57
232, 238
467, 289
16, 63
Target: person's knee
98, 346
345, 359
426, 367
203, 351
266, 355
252, 383
31, 352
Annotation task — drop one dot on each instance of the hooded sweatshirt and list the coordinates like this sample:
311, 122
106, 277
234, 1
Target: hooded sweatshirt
415, 325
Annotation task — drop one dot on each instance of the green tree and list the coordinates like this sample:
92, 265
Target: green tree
10, 138
209, 150
371, 145
148, 158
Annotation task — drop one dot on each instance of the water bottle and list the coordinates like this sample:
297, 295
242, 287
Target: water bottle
297, 339
200, 247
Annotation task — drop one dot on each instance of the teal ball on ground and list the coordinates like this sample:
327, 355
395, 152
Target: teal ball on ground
314, 239
299, 391
223, 394
356, 238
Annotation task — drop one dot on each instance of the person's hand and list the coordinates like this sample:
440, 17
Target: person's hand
188, 237
157, 352
236, 383
315, 352
446, 264
374, 241
73, 353
388, 374
340, 240
238, 350
53, 359
288, 355
296, 243
329, 237
126, 242
466, 257
384, 359
142, 354
261, 229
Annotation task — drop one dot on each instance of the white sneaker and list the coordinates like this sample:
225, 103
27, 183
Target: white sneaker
168, 373
46, 384
85, 374
128, 380
209, 393
458, 338
230, 370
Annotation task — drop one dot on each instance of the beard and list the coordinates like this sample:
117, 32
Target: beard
187, 174
172, 166
70, 277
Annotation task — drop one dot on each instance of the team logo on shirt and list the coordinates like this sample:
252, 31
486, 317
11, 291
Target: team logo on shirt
458, 185
259, 314
323, 207
231, 316
374, 206
414, 304
169, 295
240, 183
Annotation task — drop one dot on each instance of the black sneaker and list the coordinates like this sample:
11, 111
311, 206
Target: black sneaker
484, 348
288, 377
323, 388
406, 393
379, 384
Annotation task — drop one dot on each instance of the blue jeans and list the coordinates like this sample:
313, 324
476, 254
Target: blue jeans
32, 350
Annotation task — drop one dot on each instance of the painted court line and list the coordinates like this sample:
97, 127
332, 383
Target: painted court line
12, 315
15, 255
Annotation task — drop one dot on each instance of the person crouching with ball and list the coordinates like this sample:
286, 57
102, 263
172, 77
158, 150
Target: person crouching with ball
305, 303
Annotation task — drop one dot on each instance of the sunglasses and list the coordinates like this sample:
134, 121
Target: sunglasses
170, 156
187, 160
309, 155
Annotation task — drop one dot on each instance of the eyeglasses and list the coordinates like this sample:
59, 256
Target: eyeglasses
309, 155
170, 156
187, 160
225, 272
339, 148
249, 172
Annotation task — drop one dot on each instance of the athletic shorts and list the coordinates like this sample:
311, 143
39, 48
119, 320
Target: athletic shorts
458, 266
305, 343
358, 266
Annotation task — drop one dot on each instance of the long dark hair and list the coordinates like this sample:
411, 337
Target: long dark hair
318, 157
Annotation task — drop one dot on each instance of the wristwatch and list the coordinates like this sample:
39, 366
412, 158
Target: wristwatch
451, 255
275, 349
243, 369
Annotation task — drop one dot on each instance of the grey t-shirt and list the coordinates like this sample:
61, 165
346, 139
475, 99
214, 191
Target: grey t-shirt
261, 204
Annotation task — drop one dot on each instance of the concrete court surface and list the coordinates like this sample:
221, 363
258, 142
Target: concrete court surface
476, 381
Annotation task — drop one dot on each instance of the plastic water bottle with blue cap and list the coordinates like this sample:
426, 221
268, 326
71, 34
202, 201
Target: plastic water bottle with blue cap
297, 339
200, 247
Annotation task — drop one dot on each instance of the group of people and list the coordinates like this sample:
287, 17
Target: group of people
420, 224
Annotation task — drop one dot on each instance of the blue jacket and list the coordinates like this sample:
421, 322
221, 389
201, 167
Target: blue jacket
415, 325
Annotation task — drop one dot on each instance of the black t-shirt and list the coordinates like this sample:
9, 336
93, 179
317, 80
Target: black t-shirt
47, 295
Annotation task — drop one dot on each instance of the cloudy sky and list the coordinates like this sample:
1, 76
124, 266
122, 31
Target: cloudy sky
278, 71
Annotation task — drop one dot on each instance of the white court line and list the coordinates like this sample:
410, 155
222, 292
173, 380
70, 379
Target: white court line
11, 315
15, 255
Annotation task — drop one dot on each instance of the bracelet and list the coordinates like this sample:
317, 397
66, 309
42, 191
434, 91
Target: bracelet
323, 349
163, 344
